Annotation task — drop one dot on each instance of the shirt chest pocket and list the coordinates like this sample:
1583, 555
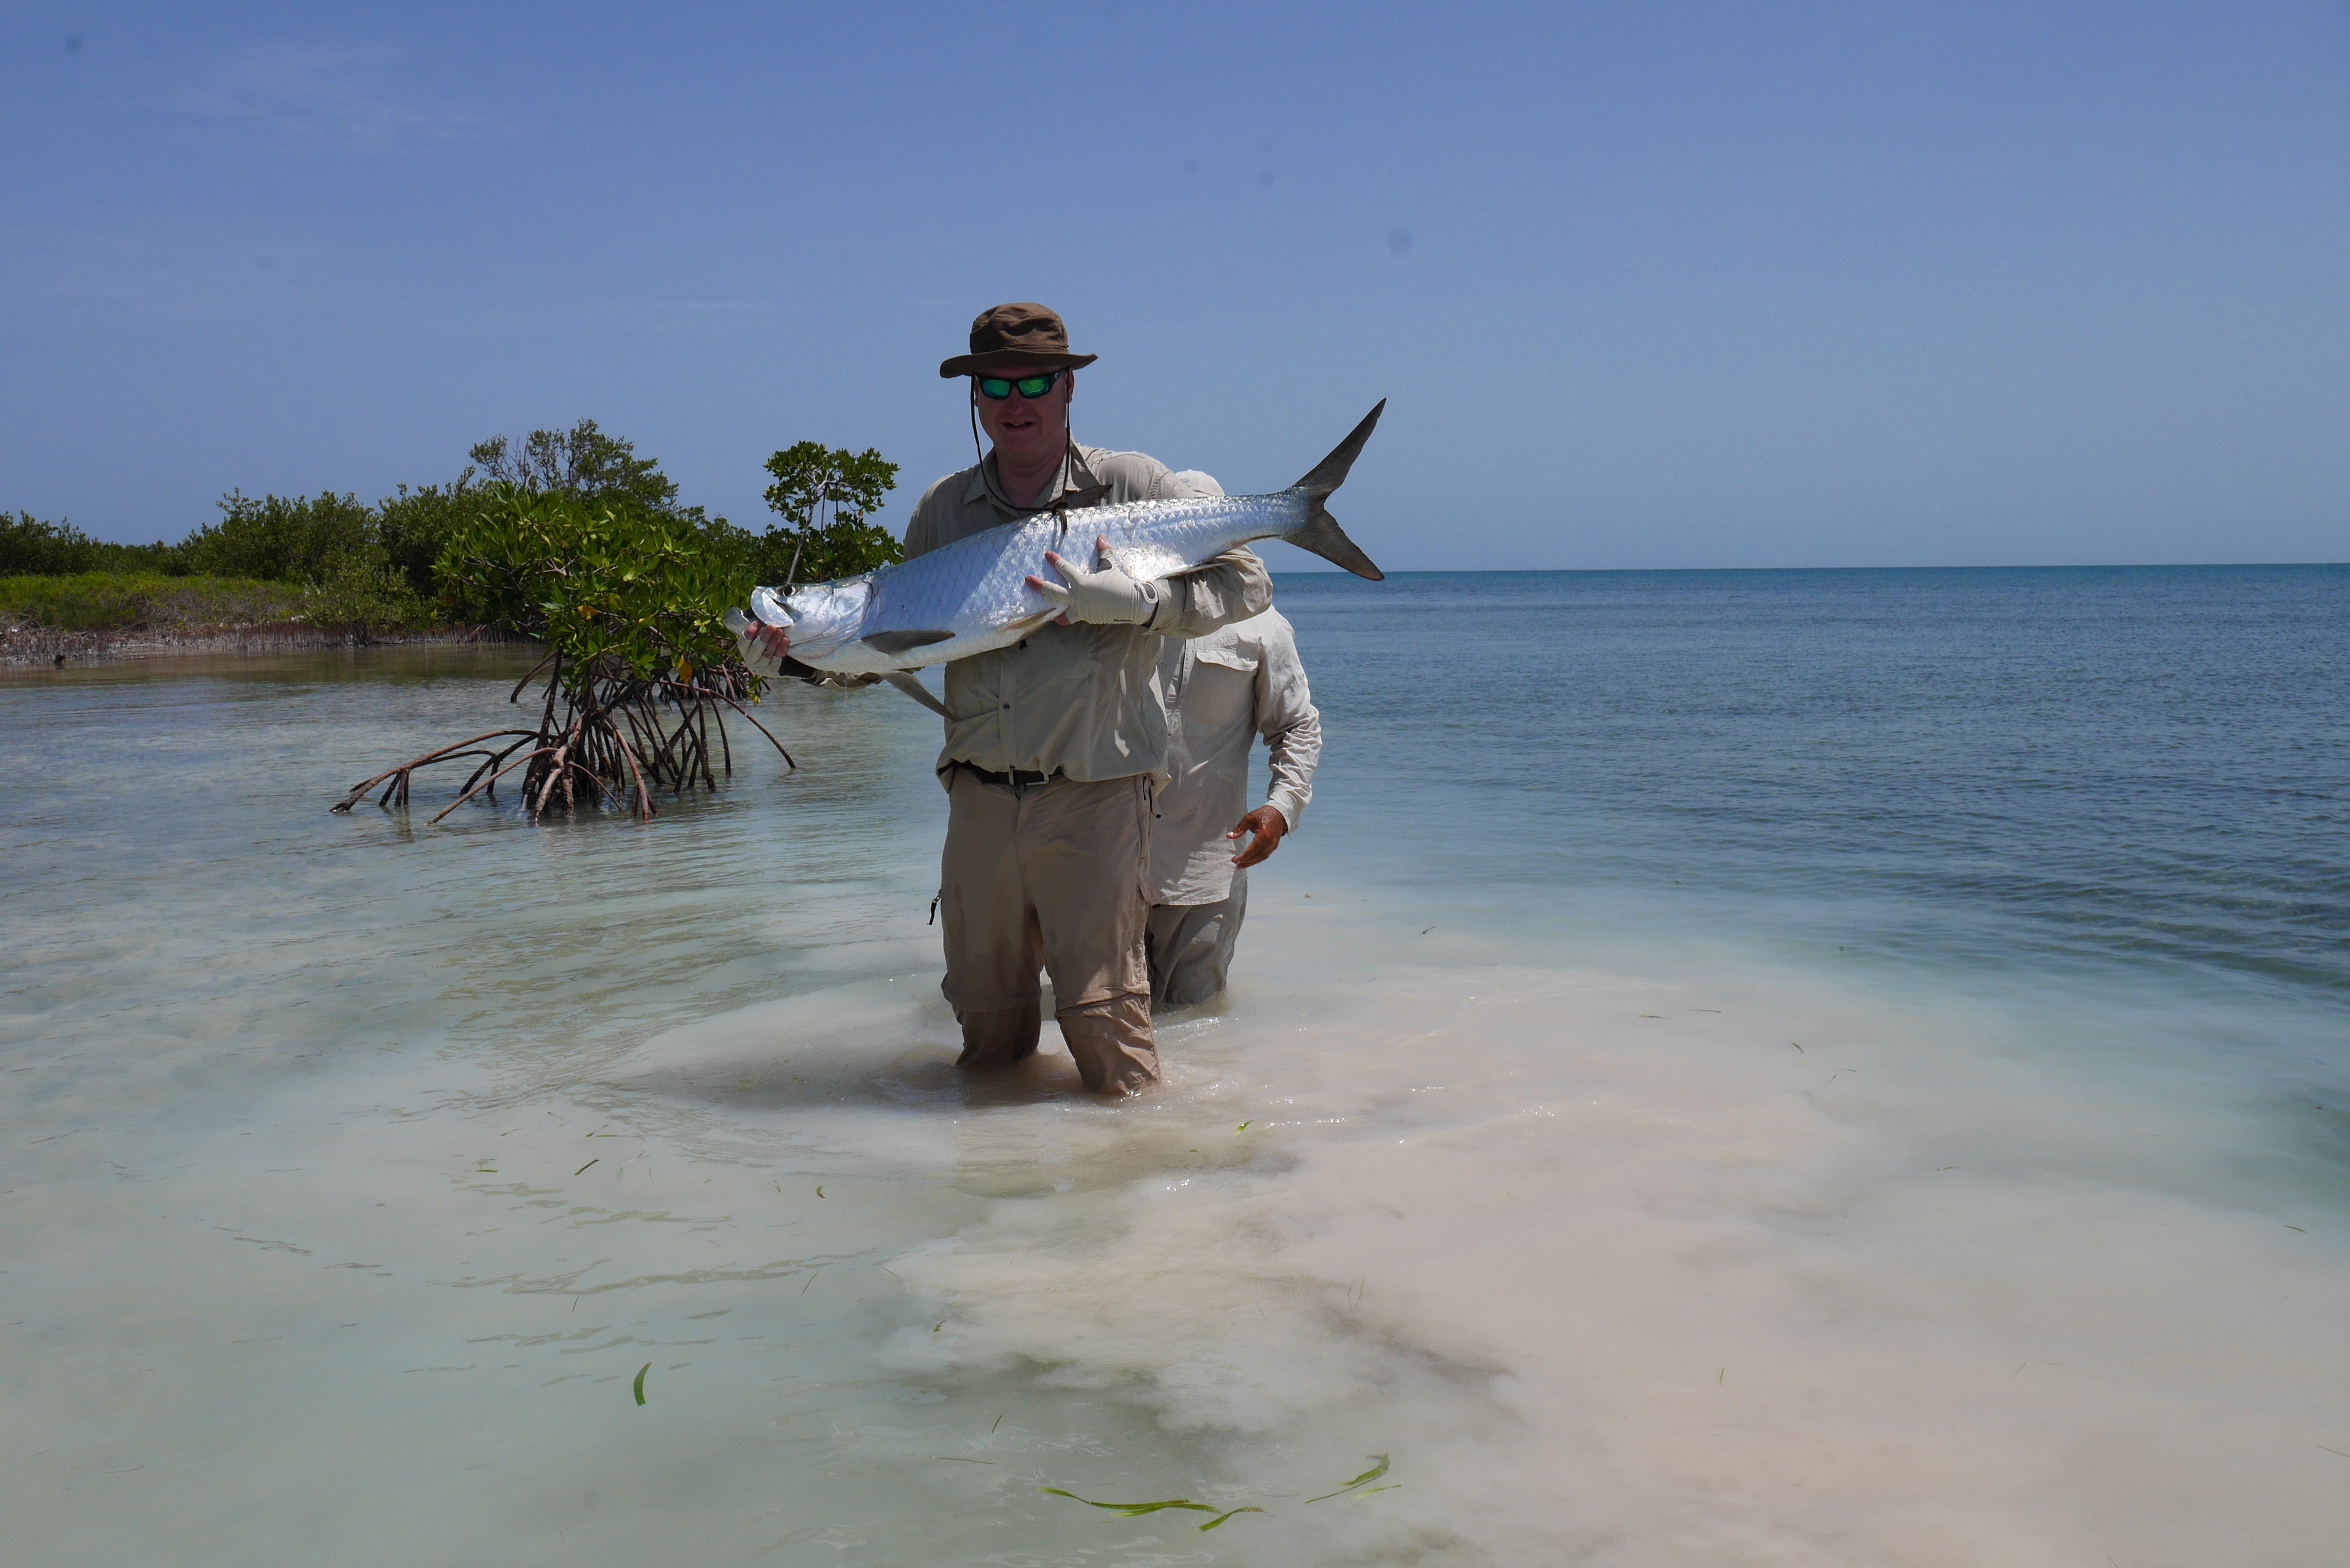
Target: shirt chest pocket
1222, 689
1054, 654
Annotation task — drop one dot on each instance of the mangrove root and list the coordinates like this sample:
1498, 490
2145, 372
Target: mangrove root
605, 735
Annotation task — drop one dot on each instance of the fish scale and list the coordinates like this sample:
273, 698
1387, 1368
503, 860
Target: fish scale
973, 595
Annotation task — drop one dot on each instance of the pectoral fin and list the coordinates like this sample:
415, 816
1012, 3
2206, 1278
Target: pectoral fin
904, 641
918, 691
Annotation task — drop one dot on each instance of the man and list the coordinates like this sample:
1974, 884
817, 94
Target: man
1054, 746
1221, 691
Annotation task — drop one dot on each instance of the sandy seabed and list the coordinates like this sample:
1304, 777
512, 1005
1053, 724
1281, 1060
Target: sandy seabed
1735, 1270
1616, 1266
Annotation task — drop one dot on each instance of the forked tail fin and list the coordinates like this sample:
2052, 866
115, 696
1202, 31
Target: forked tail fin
1321, 534
1331, 472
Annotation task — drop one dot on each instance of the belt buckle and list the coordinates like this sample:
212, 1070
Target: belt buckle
1013, 779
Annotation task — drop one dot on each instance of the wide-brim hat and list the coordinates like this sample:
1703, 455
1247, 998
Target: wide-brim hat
1008, 335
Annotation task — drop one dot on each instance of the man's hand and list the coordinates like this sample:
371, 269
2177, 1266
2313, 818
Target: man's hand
1104, 598
1268, 825
776, 639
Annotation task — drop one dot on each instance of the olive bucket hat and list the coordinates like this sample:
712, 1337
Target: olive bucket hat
1025, 334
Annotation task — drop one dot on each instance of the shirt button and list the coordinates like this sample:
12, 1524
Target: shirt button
1007, 707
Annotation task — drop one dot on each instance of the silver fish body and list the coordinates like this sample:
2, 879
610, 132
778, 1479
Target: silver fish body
976, 589
973, 595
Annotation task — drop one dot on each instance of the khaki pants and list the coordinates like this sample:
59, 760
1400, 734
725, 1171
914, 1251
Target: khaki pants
1050, 877
1190, 946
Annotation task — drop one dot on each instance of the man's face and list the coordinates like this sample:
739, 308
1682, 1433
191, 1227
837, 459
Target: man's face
1027, 430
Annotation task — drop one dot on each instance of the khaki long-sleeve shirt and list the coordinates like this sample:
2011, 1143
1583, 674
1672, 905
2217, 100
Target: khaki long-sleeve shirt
1078, 700
1223, 691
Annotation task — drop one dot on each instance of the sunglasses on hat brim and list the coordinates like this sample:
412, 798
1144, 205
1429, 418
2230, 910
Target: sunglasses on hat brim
997, 388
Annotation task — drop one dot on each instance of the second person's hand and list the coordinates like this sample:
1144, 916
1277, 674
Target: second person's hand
1268, 824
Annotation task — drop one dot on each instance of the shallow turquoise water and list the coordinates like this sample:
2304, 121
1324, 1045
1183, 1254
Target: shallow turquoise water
2139, 766
1839, 1067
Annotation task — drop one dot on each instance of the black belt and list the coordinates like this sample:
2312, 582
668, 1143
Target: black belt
1007, 779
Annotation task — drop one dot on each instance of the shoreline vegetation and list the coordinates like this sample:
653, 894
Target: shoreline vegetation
94, 617
641, 669
274, 573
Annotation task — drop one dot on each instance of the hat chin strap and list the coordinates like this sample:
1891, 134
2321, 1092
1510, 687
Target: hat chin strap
1067, 451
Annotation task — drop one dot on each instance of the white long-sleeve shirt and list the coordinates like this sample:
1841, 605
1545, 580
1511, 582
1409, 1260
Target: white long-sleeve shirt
1221, 691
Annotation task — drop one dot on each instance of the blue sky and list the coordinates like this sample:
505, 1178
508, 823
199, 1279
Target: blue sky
1647, 285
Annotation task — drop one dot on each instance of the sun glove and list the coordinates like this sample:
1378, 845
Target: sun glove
1104, 598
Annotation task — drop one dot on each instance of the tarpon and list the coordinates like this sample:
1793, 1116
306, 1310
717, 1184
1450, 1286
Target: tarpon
973, 595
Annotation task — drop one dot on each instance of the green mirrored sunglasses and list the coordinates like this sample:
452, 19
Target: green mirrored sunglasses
997, 388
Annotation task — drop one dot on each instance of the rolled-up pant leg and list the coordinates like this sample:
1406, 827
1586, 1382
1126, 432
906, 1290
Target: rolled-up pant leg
1190, 946
1053, 875
993, 949
1112, 1043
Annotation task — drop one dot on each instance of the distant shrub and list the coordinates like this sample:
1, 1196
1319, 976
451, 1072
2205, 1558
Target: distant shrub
27, 544
366, 594
125, 601
301, 540
415, 525
338, 546
599, 508
329, 545
585, 463
156, 557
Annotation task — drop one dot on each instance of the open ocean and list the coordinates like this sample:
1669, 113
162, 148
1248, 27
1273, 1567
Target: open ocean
1792, 1068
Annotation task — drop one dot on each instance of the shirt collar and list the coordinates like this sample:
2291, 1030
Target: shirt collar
1077, 475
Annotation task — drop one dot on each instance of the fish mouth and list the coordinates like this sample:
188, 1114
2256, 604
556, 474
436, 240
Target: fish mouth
767, 608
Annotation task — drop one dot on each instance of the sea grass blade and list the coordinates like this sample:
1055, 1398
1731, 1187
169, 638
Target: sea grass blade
1374, 1473
1226, 1515
1129, 1510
